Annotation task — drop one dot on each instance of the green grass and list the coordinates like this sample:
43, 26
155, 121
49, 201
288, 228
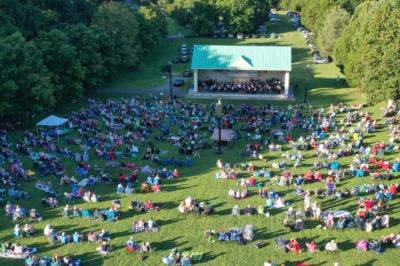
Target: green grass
186, 232
175, 29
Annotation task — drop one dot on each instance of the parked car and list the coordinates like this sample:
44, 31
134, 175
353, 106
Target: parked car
184, 46
246, 36
289, 13
271, 15
307, 35
295, 20
240, 35
275, 19
300, 29
297, 25
176, 60
220, 23
178, 82
304, 32
320, 60
223, 35
184, 51
191, 50
273, 35
254, 35
262, 29
294, 13
215, 36
262, 35
185, 59
230, 35
187, 73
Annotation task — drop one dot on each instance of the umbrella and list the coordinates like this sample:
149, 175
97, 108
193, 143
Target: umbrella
280, 133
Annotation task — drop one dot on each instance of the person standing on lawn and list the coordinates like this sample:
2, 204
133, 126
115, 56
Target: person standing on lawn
196, 151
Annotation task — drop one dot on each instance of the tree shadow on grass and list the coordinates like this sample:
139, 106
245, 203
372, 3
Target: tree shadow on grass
208, 257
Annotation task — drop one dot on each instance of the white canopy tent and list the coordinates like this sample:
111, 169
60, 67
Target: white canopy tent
51, 121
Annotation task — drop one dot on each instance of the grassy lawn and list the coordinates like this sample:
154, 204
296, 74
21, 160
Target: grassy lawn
175, 29
187, 232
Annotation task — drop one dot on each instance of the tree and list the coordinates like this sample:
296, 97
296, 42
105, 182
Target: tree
120, 23
374, 65
87, 47
204, 16
156, 18
350, 38
274, 3
336, 21
60, 58
246, 15
181, 15
25, 85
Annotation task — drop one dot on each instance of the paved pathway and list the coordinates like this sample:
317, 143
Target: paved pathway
164, 88
175, 36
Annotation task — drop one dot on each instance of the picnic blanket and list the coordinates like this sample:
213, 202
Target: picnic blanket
196, 255
258, 184
10, 254
163, 153
340, 213
136, 229
29, 172
240, 198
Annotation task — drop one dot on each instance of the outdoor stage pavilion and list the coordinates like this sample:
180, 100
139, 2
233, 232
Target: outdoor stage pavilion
240, 64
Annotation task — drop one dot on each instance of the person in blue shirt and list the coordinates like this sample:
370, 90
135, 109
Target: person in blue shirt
131, 243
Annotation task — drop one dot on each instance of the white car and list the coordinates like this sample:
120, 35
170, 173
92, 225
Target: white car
320, 60
240, 35
273, 35
307, 35
275, 19
304, 32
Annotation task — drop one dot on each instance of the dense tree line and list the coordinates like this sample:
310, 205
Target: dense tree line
203, 15
361, 36
51, 49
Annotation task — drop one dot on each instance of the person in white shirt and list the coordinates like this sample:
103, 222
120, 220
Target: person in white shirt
188, 201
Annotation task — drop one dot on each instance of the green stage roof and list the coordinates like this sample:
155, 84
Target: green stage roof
242, 57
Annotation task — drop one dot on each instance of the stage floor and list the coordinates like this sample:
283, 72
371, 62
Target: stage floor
236, 96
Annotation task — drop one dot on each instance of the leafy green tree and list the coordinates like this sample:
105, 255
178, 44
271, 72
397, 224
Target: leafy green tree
350, 37
373, 65
60, 58
25, 84
246, 15
205, 15
336, 21
181, 15
120, 23
157, 19
87, 47
274, 3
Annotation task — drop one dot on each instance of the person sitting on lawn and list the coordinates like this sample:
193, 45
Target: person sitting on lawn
188, 202
182, 208
248, 210
331, 246
236, 210
151, 223
294, 245
312, 246
141, 224
103, 247
252, 181
132, 244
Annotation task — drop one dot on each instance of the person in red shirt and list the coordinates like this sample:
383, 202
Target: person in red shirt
329, 179
368, 204
392, 189
252, 181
